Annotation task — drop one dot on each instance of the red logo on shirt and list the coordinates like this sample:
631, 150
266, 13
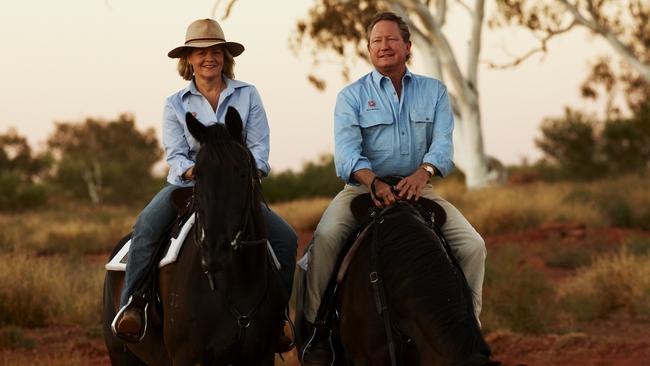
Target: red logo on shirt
193, 114
371, 103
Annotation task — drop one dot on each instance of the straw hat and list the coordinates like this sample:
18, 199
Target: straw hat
205, 33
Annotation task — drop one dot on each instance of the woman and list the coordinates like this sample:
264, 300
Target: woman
206, 60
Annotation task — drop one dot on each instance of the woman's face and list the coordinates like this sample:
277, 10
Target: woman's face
207, 62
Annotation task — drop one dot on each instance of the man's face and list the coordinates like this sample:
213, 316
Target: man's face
387, 48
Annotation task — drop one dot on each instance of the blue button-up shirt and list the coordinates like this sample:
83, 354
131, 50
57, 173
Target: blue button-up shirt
375, 129
181, 148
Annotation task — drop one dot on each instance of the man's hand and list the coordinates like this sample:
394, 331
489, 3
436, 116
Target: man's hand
412, 185
384, 194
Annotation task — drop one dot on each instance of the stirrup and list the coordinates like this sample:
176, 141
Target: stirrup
126, 337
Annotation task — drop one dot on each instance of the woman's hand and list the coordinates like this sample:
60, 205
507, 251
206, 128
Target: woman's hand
189, 174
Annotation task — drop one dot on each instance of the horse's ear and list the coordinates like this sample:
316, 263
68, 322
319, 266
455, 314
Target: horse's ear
234, 124
196, 128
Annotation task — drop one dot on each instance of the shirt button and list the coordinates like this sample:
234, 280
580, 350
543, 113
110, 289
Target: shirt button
403, 133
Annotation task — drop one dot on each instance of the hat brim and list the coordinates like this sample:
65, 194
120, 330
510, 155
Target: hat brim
234, 48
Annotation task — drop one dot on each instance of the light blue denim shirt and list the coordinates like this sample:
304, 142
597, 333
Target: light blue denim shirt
375, 129
181, 148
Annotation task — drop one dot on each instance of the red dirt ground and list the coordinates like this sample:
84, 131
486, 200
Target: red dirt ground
601, 343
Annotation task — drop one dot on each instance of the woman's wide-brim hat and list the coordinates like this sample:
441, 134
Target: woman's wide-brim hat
205, 33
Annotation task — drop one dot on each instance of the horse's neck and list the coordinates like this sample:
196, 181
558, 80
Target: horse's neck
246, 272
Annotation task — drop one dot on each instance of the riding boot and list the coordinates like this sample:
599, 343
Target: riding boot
318, 351
130, 322
283, 343
128, 325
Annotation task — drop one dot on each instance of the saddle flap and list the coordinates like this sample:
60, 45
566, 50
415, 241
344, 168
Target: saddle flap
181, 199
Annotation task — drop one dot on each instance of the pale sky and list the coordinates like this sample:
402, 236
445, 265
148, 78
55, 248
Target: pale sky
65, 60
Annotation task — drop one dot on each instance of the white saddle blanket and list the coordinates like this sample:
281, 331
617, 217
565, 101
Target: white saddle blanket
118, 262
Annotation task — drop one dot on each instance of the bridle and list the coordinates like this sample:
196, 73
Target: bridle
243, 319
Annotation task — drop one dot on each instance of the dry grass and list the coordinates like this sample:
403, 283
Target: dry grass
621, 202
516, 296
303, 215
613, 285
35, 291
78, 229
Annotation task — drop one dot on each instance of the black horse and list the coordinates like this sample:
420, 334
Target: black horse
404, 299
220, 303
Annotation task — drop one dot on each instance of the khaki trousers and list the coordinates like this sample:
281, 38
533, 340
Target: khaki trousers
338, 223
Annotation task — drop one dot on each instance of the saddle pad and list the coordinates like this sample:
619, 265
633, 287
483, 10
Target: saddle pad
118, 262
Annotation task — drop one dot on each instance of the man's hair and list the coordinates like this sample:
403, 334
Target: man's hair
391, 17
185, 68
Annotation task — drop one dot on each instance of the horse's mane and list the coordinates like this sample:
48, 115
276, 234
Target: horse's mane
416, 268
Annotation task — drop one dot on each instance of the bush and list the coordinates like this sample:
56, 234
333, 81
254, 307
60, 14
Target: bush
18, 195
316, 179
614, 285
516, 296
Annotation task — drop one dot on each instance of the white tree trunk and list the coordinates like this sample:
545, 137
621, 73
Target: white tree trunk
469, 154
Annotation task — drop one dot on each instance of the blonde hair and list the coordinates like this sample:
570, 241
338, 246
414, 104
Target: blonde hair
186, 71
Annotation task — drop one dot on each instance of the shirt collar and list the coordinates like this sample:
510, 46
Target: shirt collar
231, 85
377, 77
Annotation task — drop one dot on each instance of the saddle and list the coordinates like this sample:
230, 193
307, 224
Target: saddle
145, 293
364, 211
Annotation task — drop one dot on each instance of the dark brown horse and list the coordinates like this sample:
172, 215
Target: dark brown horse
404, 299
220, 303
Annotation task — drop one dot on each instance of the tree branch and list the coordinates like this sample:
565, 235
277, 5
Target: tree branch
623, 50
465, 6
474, 48
541, 49
441, 12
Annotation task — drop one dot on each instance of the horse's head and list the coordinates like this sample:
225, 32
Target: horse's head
227, 191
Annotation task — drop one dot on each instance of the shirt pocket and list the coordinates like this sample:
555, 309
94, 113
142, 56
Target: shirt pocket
422, 126
377, 131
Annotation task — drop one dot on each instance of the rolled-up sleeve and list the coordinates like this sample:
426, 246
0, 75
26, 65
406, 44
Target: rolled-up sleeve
441, 150
258, 133
176, 146
347, 138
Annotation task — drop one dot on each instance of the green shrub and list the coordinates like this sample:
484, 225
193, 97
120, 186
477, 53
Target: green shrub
18, 195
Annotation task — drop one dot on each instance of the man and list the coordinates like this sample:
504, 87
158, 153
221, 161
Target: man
389, 122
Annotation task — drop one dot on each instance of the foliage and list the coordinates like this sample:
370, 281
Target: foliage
20, 171
582, 148
106, 161
516, 296
316, 179
624, 25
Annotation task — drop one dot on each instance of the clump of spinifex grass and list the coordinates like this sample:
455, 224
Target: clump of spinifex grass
36, 291
75, 229
620, 202
614, 285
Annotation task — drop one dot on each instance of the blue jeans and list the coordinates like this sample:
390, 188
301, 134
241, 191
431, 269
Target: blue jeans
159, 215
